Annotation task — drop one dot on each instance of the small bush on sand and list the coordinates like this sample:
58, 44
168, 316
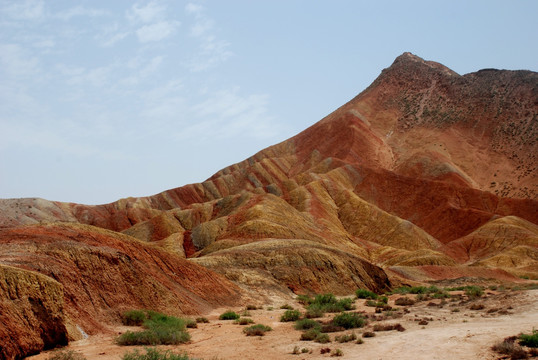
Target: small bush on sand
229, 315
154, 354
191, 323
314, 311
202, 320
251, 307
346, 338
368, 334
160, 330
305, 324
244, 321
133, 317
349, 320
365, 294
257, 330
529, 340
304, 299
337, 352
404, 301
474, 291
310, 334
290, 315
329, 303
388, 327
510, 348
66, 355
286, 306
322, 338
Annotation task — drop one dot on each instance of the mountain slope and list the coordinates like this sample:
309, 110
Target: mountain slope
425, 175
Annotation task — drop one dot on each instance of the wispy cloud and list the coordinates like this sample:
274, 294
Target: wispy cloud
25, 9
157, 31
68, 14
212, 50
17, 62
153, 11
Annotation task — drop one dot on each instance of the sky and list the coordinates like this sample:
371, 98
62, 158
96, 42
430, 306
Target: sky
101, 100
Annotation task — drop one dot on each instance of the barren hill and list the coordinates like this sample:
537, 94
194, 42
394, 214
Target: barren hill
427, 174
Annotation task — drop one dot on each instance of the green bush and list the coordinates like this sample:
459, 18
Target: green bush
257, 330
322, 338
66, 355
160, 330
153, 354
191, 323
474, 291
202, 320
530, 340
349, 320
304, 299
286, 306
310, 335
314, 311
133, 317
229, 315
365, 294
305, 324
325, 299
290, 315
346, 338
244, 321
323, 303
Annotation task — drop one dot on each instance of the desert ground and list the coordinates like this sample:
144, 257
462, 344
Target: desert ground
453, 331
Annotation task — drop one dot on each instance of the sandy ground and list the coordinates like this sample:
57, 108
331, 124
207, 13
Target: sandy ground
466, 334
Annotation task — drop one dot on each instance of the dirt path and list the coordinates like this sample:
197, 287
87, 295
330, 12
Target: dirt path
465, 334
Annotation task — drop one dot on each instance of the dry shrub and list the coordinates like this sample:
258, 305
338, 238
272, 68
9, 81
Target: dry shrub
477, 307
404, 301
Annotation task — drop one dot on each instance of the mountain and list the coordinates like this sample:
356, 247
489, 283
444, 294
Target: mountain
425, 175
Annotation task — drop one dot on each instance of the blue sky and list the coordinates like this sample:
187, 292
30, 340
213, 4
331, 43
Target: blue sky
101, 100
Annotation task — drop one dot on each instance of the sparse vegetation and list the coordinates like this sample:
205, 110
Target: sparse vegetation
251, 307
404, 301
191, 324
229, 315
529, 340
244, 321
305, 324
477, 307
365, 294
328, 303
349, 320
257, 330
66, 355
337, 352
133, 317
509, 347
202, 320
287, 307
368, 334
160, 329
290, 315
474, 291
388, 327
154, 354
346, 338
322, 338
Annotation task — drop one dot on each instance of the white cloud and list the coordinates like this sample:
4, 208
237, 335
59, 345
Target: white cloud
17, 61
25, 9
157, 31
212, 51
148, 13
227, 114
192, 8
80, 11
